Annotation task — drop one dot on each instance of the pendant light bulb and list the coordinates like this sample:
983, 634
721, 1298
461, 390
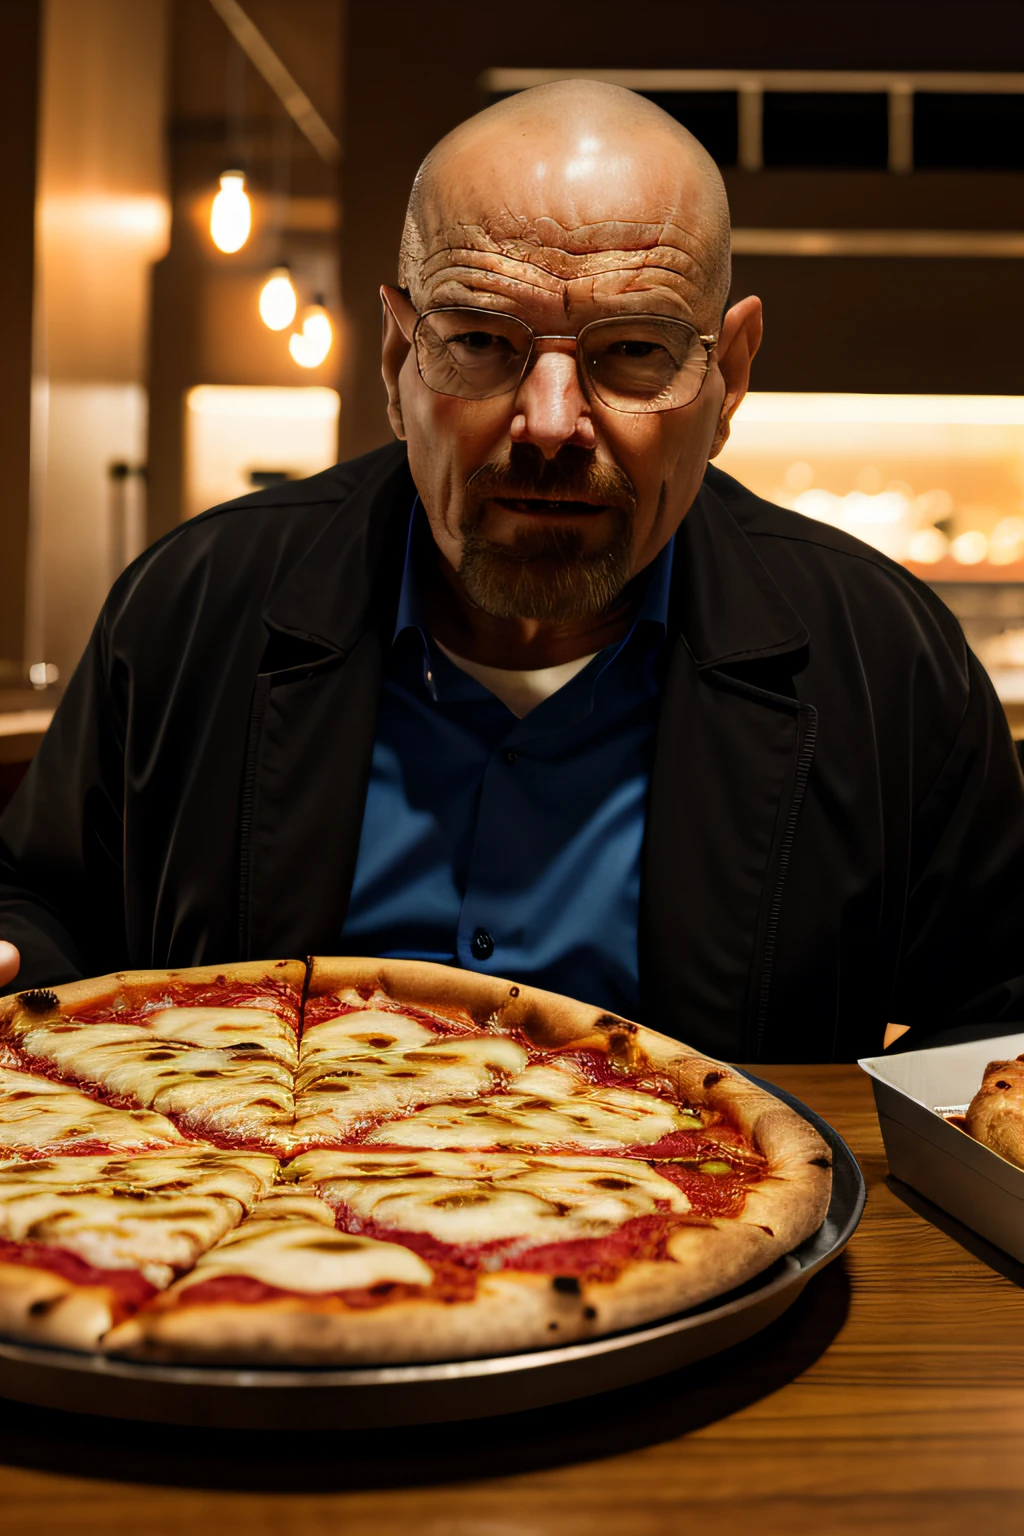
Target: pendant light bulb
278, 301
310, 346
231, 214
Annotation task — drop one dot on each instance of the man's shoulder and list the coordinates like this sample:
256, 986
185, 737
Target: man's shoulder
256, 539
288, 506
765, 520
809, 559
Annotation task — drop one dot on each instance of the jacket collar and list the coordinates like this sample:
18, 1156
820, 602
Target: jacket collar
349, 577
726, 605
723, 601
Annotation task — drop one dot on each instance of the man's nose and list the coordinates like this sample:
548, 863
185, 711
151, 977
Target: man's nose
550, 407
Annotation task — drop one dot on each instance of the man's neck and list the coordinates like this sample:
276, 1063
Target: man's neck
515, 644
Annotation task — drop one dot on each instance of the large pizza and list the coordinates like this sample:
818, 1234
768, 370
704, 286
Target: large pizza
355, 1161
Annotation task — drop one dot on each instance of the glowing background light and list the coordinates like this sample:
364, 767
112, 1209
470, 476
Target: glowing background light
310, 346
231, 214
278, 301
934, 480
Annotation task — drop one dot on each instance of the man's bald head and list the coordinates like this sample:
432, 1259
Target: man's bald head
570, 182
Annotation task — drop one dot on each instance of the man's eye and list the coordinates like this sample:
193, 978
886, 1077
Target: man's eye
634, 350
478, 341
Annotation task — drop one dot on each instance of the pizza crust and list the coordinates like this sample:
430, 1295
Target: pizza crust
39, 1306
512, 1312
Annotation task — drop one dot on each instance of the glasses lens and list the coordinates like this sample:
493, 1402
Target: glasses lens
643, 364
472, 354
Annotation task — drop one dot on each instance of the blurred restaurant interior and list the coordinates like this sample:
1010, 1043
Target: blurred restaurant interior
203, 196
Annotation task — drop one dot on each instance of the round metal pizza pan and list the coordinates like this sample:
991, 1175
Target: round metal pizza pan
330, 1398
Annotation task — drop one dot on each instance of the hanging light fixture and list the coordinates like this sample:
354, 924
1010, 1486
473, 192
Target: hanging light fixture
231, 214
278, 301
311, 345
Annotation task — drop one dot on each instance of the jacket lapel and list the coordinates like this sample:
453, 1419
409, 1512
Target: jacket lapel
731, 760
313, 719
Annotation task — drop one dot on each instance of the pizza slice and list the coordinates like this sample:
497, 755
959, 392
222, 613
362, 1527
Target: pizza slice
86, 1240
215, 1050
550, 1106
375, 1061
274, 1290
40, 1118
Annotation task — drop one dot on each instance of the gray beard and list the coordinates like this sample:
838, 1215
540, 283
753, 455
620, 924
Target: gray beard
545, 573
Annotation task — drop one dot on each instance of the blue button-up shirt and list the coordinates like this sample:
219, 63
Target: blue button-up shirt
511, 846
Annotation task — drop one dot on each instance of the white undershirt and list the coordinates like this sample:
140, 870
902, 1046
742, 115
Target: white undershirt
519, 691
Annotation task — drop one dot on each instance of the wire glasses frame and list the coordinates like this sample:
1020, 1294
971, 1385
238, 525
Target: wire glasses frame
632, 363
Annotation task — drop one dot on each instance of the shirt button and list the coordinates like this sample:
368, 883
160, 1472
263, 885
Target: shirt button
481, 945
510, 757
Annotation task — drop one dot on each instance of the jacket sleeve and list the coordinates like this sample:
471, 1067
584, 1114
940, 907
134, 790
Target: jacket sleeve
61, 885
962, 956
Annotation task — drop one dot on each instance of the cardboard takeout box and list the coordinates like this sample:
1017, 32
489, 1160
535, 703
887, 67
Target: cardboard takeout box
912, 1091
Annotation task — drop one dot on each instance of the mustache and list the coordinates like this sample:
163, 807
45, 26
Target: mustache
521, 472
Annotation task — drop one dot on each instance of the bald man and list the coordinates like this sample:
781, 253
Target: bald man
536, 690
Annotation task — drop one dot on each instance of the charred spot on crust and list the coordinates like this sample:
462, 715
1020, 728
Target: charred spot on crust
612, 1022
568, 1285
552, 1327
712, 1078
590, 1313
40, 1308
39, 1000
514, 992
766, 1229
1002, 1083
820, 1162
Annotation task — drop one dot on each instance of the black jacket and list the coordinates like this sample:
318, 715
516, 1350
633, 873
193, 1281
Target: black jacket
835, 832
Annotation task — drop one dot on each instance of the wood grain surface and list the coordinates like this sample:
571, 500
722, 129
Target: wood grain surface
889, 1399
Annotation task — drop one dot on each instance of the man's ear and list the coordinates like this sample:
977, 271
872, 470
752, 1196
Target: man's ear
393, 353
738, 342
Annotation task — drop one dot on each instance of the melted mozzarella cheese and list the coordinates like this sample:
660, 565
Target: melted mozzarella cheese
545, 1107
367, 1030
247, 1091
36, 1114
291, 1242
461, 1198
226, 1027
369, 1065
156, 1213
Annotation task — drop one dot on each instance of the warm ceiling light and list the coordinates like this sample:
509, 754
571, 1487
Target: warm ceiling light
278, 302
311, 345
231, 214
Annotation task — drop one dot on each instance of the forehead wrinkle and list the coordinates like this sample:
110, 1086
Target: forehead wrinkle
560, 265
550, 234
506, 282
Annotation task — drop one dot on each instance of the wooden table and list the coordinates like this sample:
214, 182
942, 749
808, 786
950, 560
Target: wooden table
889, 1399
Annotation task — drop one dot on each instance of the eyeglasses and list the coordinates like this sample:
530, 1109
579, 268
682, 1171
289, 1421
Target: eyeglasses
632, 363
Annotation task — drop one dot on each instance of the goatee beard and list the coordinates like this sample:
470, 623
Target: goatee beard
547, 573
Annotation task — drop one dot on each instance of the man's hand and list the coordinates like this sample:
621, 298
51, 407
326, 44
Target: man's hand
10, 961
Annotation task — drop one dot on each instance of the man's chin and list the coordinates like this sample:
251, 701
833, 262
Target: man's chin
547, 588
